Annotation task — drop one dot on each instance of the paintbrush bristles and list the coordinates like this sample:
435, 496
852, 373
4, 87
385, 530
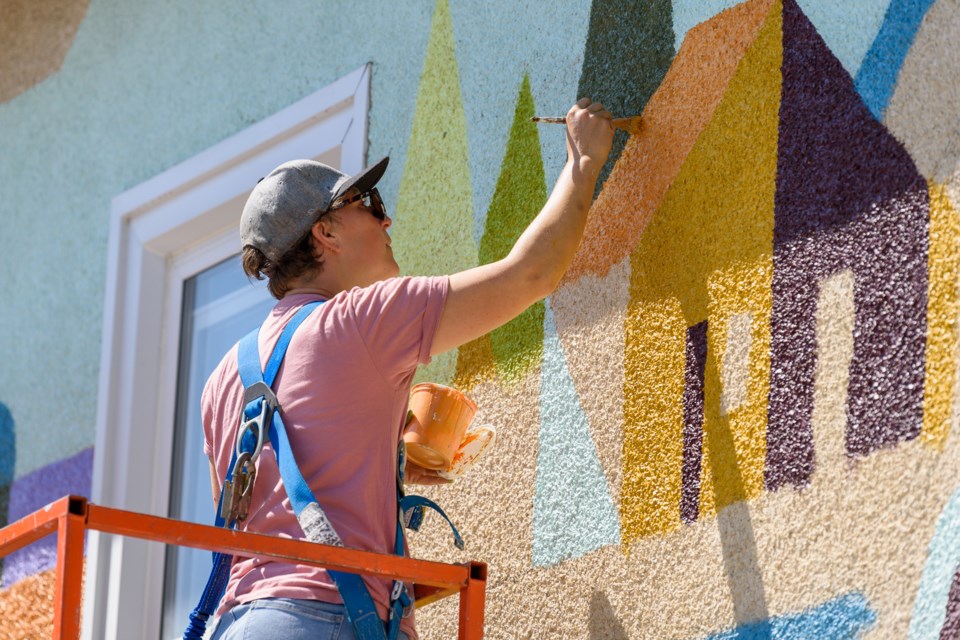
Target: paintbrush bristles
631, 125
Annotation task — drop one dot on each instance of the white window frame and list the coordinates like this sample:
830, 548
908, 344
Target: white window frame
163, 232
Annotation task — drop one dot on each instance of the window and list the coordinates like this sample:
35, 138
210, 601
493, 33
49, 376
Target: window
173, 284
219, 307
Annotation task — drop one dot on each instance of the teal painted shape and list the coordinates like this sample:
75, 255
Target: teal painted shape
8, 459
848, 27
573, 512
8, 449
496, 46
943, 556
845, 617
628, 51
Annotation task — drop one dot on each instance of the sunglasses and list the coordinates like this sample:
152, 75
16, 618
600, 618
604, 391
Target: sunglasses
371, 202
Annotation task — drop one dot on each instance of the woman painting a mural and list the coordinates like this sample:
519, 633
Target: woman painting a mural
320, 238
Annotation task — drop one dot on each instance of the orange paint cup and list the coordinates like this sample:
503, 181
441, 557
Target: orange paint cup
440, 418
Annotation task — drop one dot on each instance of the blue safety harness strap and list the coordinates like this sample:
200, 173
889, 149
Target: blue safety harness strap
262, 413
249, 368
356, 598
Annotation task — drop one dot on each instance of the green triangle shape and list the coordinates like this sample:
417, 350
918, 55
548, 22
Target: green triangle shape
519, 196
434, 220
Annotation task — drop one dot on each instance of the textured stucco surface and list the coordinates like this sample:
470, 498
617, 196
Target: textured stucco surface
35, 36
737, 417
922, 112
27, 608
143, 87
437, 172
724, 190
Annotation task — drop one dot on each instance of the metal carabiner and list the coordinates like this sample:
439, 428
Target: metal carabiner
268, 405
256, 427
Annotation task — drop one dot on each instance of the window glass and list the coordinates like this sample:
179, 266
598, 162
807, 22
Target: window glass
220, 305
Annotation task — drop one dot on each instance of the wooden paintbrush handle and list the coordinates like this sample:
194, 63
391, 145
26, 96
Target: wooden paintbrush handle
630, 125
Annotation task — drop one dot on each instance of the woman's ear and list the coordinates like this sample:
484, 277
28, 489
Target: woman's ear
325, 236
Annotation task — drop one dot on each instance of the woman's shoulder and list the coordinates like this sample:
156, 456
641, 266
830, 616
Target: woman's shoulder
392, 289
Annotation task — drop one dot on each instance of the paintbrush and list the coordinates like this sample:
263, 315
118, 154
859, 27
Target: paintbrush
631, 125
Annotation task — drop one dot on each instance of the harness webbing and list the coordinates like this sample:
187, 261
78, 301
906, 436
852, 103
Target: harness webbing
262, 412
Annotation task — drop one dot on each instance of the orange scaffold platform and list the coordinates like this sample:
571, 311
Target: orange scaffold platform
71, 516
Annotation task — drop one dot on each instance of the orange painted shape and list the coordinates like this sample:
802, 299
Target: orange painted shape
672, 123
27, 607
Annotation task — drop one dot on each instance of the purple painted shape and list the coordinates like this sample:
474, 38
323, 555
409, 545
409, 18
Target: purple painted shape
848, 197
951, 624
693, 422
37, 489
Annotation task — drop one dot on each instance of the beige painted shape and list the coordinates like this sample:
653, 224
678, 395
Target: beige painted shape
492, 505
35, 37
866, 529
735, 364
952, 188
834, 332
922, 112
590, 317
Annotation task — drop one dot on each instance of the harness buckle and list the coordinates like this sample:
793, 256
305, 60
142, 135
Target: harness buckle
238, 490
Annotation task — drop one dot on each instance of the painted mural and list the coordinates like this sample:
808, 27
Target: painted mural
764, 262
736, 418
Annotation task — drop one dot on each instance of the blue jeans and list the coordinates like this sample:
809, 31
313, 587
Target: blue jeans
286, 619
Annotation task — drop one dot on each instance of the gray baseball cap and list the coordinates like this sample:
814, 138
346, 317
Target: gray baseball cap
289, 200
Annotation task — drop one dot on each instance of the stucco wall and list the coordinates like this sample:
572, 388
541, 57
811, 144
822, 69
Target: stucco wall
735, 418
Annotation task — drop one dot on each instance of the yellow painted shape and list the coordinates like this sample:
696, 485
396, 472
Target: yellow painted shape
943, 309
652, 410
707, 254
475, 364
433, 234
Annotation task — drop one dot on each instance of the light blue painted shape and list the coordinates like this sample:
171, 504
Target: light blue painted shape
495, 48
845, 617
8, 448
689, 13
877, 76
573, 512
943, 556
847, 27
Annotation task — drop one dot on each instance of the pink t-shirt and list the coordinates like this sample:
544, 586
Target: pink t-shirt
344, 390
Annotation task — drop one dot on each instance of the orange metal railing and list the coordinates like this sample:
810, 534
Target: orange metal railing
72, 516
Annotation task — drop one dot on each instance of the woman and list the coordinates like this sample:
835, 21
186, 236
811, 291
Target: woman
344, 384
